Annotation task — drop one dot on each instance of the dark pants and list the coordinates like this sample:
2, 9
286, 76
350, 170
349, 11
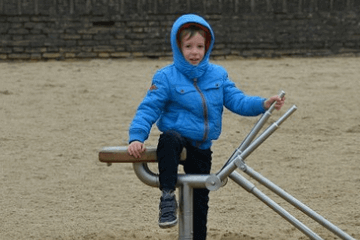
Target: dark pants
198, 161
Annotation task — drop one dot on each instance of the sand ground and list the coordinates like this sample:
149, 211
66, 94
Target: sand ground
56, 116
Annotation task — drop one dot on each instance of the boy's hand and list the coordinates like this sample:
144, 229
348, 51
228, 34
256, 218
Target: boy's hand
279, 102
136, 148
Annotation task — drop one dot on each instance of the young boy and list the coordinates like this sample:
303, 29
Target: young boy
186, 100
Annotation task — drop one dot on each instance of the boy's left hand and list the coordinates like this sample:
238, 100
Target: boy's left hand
279, 102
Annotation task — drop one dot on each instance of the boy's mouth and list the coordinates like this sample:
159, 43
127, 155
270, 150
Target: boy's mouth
194, 60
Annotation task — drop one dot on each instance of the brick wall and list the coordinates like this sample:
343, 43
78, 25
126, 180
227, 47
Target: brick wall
68, 29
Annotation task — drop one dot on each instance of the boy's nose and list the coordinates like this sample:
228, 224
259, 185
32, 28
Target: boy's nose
194, 51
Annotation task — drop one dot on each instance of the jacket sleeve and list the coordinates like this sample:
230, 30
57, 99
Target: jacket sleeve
149, 109
236, 101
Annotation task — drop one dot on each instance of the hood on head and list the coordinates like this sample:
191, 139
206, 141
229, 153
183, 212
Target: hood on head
180, 62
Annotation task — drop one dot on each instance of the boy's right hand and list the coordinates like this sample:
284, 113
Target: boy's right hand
136, 148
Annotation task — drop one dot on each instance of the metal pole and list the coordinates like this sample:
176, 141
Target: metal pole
185, 212
261, 122
231, 166
150, 178
255, 130
296, 203
247, 185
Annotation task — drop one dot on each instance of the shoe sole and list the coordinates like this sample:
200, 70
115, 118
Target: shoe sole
168, 224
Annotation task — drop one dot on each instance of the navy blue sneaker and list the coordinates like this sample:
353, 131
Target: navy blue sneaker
168, 210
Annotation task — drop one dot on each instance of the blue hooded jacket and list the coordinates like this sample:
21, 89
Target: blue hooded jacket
190, 99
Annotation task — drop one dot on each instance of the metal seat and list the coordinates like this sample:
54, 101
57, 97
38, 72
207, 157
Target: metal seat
120, 155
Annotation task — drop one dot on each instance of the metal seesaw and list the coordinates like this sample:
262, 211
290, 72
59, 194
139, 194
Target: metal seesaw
187, 182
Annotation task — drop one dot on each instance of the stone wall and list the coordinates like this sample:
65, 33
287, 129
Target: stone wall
78, 29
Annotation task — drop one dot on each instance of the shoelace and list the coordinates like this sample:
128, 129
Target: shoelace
167, 206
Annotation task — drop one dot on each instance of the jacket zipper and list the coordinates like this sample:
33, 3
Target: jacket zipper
205, 110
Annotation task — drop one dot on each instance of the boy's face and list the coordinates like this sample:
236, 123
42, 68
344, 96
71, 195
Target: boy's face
193, 48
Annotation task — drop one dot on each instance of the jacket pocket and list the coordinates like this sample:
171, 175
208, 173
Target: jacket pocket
188, 98
214, 93
183, 89
214, 85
